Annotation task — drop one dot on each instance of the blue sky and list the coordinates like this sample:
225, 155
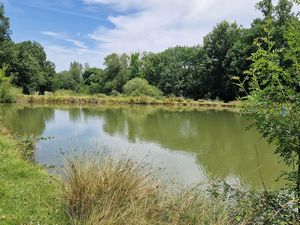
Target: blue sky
88, 30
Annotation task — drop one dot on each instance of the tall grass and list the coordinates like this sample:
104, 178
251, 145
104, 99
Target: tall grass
121, 192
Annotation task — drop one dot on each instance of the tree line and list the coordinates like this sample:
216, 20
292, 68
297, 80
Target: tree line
205, 71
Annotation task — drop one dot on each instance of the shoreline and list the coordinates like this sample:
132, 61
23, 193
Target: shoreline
108, 100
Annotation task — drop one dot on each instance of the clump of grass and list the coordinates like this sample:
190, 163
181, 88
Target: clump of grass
104, 191
98, 192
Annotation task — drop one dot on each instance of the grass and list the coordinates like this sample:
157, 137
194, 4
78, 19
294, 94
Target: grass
104, 191
28, 195
71, 98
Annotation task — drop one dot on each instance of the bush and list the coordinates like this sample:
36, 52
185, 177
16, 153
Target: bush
257, 207
6, 90
6, 93
141, 87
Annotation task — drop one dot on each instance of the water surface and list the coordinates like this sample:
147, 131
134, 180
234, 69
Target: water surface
191, 145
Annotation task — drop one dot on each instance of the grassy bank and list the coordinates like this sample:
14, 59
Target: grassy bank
28, 195
102, 100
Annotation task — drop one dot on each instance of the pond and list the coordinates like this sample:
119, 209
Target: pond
190, 145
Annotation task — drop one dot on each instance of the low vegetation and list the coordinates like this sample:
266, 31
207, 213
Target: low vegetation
141, 87
69, 97
28, 195
6, 90
100, 190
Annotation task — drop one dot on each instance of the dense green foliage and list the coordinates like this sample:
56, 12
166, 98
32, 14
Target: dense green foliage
6, 93
199, 72
274, 100
140, 87
26, 62
31, 70
265, 207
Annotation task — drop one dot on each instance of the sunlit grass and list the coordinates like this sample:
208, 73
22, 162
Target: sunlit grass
105, 191
68, 97
28, 195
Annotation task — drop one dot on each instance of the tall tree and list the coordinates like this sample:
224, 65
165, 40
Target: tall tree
135, 66
116, 71
4, 25
76, 70
7, 52
31, 71
218, 44
71, 79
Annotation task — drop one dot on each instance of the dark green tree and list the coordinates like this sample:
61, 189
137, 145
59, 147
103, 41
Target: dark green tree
219, 44
31, 70
135, 66
4, 25
94, 79
71, 79
116, 72
7, 51
76, 70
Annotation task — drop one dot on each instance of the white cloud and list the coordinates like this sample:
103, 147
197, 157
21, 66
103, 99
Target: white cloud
158, 24
51, 34
153, 25
65, 37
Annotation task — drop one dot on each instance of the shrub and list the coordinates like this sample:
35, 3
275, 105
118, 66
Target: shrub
141, 87
6, 90
257, 207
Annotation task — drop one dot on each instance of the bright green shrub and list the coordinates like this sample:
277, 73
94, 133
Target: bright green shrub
141, 87
6, 91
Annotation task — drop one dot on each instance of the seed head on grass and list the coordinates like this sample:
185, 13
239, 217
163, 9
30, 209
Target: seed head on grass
107, 191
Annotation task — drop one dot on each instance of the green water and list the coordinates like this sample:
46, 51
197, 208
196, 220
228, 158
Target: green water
190, 145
